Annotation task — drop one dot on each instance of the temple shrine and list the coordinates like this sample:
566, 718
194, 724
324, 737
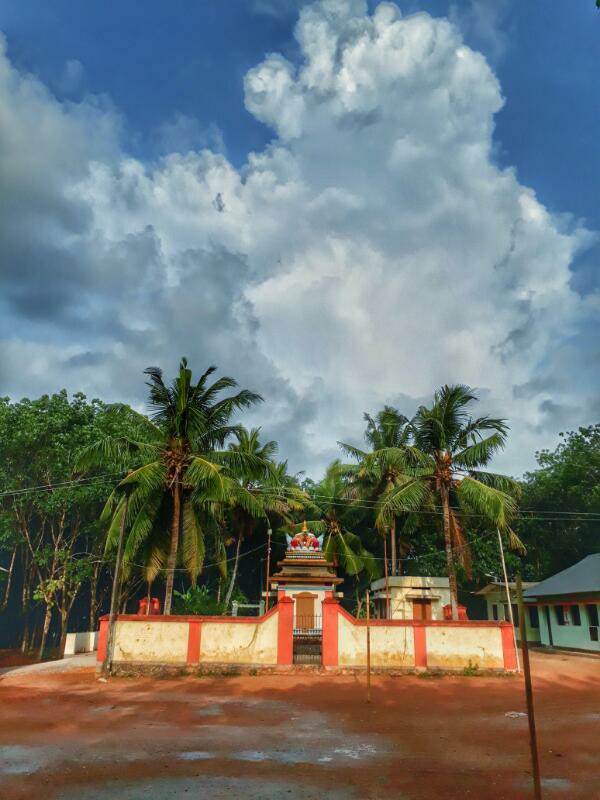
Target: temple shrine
307, 577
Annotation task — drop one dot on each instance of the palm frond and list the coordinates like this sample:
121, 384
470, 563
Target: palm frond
193, 546
493, 504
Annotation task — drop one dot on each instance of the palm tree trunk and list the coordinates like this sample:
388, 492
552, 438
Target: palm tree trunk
393, 554
234, 573
449, 555
172, 562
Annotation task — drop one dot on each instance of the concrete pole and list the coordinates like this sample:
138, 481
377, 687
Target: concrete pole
535, 763
116, 591
269, 534
368, 648
510, 610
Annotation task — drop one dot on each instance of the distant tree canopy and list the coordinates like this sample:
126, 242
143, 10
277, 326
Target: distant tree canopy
560, 498
383, 509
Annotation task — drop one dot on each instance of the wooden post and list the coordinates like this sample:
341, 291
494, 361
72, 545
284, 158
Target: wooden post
368, 649
510, 611
116, 591
269, 533
537, 786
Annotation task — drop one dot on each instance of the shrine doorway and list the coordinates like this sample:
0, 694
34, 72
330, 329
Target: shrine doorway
422, 610
308, 631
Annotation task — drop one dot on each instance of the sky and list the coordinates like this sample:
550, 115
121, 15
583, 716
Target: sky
342, 204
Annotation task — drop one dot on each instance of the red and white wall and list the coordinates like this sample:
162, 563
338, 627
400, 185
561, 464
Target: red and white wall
268, 641
414, 644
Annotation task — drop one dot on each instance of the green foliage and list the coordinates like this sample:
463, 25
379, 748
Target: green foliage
199, 600
567, 480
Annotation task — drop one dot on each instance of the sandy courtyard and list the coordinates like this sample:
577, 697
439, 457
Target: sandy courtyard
70, 737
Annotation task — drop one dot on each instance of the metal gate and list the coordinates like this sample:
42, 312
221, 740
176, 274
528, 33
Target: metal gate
308, 640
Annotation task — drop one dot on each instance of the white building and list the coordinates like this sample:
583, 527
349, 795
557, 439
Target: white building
568, 606
411, 597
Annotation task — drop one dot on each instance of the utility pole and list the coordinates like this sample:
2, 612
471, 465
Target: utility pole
116, 591
510, 609
368, 649
535, 763
269, 534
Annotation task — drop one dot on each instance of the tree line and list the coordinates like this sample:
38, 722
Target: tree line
196, 493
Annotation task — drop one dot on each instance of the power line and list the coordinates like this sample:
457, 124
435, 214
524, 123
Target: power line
521, 514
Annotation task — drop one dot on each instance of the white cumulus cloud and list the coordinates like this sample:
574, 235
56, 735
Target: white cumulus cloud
371, 252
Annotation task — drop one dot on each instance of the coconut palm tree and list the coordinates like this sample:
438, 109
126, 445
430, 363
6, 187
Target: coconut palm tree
442, 470
258, 475
186, 473
334, 518
381, 468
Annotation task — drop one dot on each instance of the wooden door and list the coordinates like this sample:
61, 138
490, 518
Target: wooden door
422, 610
305, 611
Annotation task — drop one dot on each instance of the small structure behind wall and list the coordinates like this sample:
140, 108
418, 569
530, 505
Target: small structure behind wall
412, 597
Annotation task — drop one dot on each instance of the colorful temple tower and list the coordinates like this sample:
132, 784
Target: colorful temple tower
307, 577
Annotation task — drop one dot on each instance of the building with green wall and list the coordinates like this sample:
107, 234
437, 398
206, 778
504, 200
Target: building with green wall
568, 606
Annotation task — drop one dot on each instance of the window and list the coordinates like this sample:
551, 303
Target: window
495, 612
575, 615
534, 617
560, 615
506, 613
515, 610
592, 614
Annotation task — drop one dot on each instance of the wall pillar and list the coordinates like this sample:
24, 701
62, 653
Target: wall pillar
194, 634
420, 644
508, 646
285, 631
330, 632
102, 640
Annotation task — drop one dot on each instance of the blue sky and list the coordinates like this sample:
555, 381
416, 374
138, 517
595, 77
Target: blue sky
160, 59
169, 78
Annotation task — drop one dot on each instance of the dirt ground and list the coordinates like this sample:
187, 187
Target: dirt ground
70, 737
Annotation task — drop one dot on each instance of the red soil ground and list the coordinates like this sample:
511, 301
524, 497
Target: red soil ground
300, 736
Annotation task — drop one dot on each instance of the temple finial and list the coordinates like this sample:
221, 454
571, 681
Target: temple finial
304, 527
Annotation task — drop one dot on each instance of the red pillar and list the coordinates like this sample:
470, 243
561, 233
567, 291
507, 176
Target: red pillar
194, 634
285, 631
330, 632
102, 640
420, 644
508, 646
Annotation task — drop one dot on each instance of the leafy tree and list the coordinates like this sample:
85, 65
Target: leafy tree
561, 504
50, 508
442, 470
186, 472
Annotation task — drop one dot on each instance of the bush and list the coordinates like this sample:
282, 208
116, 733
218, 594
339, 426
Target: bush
198, 601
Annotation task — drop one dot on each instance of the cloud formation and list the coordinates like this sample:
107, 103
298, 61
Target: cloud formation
371, 252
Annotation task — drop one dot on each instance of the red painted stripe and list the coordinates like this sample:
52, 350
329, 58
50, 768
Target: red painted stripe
331, 611
508, 646
420, 639
285, 631
102, 640
194, 634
